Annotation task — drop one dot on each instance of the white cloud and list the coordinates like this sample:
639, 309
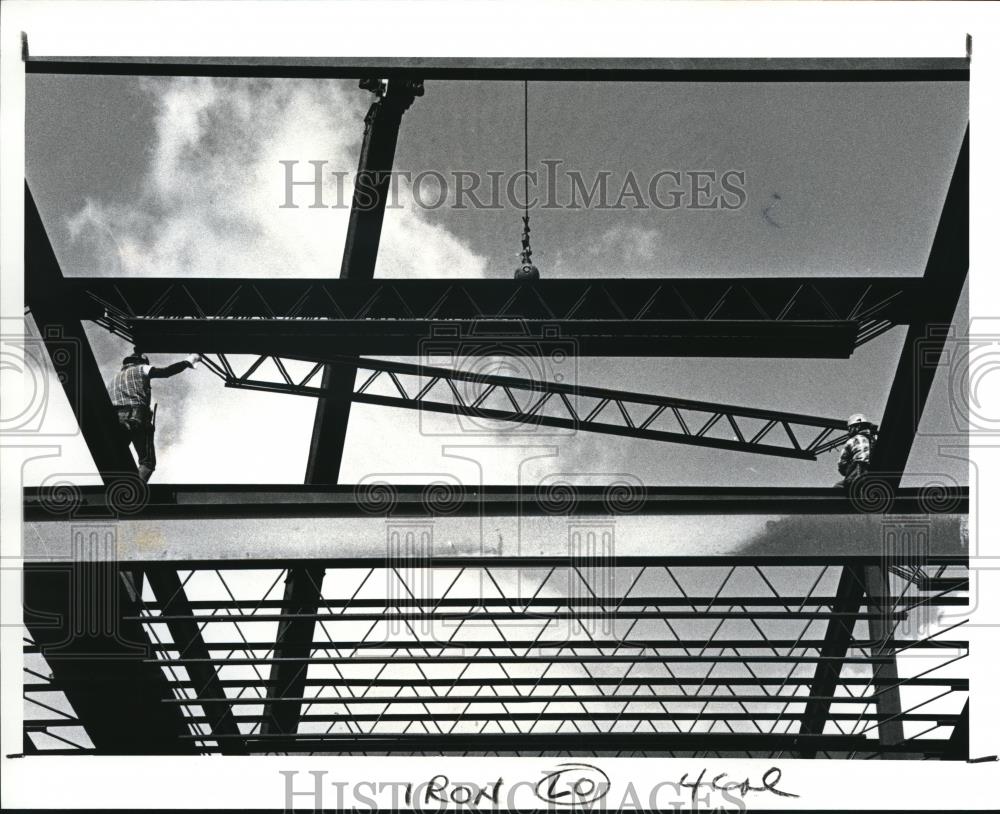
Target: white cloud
211, 207
628, 249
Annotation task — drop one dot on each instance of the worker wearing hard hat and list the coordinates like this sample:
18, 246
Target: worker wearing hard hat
855, 457
131, 396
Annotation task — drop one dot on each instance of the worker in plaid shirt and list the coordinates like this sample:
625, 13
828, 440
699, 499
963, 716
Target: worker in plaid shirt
131, 396
855, 457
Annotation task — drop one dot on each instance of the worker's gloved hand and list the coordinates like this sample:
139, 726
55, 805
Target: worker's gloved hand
193, 359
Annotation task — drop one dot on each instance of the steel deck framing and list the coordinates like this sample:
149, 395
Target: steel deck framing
486, 657
520, 655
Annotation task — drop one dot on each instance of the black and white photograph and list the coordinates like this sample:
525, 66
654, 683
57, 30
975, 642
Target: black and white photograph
499, 407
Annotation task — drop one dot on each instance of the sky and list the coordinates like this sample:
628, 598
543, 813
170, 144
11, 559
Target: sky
181, 177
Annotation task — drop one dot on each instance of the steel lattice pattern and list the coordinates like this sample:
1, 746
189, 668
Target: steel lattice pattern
520, 401
495, 659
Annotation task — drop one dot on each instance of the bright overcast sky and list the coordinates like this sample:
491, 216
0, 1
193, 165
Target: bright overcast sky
181, 177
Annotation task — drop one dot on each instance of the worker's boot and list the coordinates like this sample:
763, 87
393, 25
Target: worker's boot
145, 473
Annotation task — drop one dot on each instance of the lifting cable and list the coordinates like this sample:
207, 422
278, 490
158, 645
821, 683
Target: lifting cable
527, 270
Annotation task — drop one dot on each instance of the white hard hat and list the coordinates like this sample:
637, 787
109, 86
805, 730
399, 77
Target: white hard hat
857, 418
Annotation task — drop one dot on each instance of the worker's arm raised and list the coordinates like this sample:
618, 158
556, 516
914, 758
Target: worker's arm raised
174, 369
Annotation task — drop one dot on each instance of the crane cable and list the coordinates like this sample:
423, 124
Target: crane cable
526, 270
526, 152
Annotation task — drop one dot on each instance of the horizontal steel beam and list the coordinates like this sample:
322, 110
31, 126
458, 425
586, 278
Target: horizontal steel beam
952, 683
441, 498
594, 742
576, 644
516, 616
574, 715
631, 299
787, 602
812, 316
488, 337
928, 69
248, 527
570, 696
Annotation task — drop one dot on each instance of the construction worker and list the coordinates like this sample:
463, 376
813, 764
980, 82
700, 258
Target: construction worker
130, 395
855, 456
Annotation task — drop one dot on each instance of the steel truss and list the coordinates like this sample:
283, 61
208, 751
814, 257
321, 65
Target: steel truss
665, 658
704, 317
544, 403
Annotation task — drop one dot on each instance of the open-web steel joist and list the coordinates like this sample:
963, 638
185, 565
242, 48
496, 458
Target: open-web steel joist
782, 317
539, 402
427, 640
669, 657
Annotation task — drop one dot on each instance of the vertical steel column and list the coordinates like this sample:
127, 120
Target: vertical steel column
881, 632
303, 586
836, 642
70, 351
958, 743
947, 268
169, 592
75, 612
364, 230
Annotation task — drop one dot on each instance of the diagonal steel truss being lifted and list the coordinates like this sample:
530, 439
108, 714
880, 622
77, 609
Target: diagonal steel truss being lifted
552, 404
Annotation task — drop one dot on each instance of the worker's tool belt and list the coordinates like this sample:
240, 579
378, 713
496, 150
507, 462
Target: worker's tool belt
135, 416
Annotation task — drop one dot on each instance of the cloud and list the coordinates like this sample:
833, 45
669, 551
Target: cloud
212, 197
627, 249
210, 206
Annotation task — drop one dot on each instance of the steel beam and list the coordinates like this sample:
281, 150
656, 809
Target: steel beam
303, 586
293, 646
185, 630
76, 613
406, 337
378, 500
542, 645
881, 628
49, 300
934, 69
839, 633
957, 684
865, 300
733, 317
699, 742
958, 743
930, 333
364, 231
